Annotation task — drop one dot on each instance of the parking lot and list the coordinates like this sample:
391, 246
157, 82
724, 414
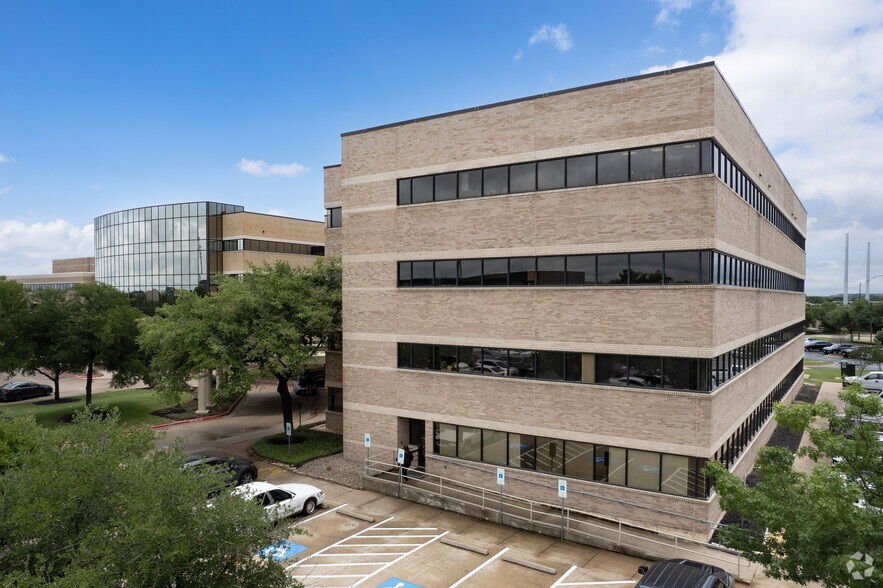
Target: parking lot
397, 543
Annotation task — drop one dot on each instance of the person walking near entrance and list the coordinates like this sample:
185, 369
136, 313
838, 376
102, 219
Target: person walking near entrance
407, 462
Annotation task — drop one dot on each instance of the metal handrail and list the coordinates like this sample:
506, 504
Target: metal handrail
615, 531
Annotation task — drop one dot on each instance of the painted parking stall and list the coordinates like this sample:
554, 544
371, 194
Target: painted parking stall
358, 558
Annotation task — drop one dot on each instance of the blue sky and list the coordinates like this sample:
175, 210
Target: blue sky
111, 105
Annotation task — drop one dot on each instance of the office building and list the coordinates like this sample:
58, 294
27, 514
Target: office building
65, 273
602, 284
155, 250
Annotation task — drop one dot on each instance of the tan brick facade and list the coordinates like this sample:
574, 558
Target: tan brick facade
692, 321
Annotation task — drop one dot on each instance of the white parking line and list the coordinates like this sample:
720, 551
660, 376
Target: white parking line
561, 581
322, 514
300, 563
349, 543
478, 569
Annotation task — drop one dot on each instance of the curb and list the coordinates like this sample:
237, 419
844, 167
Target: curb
200, 419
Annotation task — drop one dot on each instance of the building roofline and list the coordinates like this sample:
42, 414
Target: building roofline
330, 166
536, 96
306, 220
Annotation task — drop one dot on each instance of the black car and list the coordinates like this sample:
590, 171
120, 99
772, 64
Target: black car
242, 471
816, 345
838, 349
684, 573
849, 351
12, 391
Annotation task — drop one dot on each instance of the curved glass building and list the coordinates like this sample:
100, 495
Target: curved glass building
159, 248
155, 250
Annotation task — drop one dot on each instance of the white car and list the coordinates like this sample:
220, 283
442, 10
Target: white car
872, 381
283, 500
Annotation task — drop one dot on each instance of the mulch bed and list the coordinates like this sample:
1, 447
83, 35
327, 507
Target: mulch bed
781, 437
187, 410
96, 414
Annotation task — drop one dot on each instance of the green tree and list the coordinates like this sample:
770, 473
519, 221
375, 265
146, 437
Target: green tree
866, 356
103, 329
13, 312
92, 505
48, 348
808, 527
275, 317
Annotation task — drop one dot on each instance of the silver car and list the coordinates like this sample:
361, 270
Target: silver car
871, 381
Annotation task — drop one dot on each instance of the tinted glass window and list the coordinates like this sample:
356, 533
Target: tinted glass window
404, 191
404, 273
579, 459
470, 272
675, 474
550, 271
611, 369
645, 268
495, 361
446, 439
522, 271
421, 356
446, 273
522, 451
470, 184
523, 178
421, 273
682, 267
682, 159
523, 363
550, 174
494, 447
446, 358
646, 164
336, 217
706, 157
446, 187
581, 171
613, 167
421, 189
643, 469
550, 455
679, 373
495, 272
550, 365
469, 443
613, 268
404, 355
645, 371
496, 180
580, 269
573, 367
468, 359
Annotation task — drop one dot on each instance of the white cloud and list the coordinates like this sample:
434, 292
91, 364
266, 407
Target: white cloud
809, 78
262, 168
4, 190
518, 55
4, 159
671, 8
654, 50
558, 36
30, 248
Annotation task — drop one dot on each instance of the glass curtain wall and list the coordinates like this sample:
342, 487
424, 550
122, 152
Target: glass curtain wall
156, 250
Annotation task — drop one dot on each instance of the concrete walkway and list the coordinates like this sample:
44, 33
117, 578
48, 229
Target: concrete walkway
259, 415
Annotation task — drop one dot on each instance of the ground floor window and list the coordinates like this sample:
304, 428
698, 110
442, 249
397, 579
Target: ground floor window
634, 468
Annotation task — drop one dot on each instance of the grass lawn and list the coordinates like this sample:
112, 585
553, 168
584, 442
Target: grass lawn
135, 407
315, 444
818, 375
807, 362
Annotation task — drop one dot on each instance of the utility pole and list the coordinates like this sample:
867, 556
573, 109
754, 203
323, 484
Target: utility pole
846, 272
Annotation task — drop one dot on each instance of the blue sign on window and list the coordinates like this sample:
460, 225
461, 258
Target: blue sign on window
282, 550
396, 583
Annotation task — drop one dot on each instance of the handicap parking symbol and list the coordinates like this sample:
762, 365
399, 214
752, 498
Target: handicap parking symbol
282, 550
396, 583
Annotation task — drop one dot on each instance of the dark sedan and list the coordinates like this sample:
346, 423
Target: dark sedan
12, 391
241, 471
816, 345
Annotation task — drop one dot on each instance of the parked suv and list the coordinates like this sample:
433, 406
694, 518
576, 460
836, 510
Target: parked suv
683, 573
837, 348
815, 345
